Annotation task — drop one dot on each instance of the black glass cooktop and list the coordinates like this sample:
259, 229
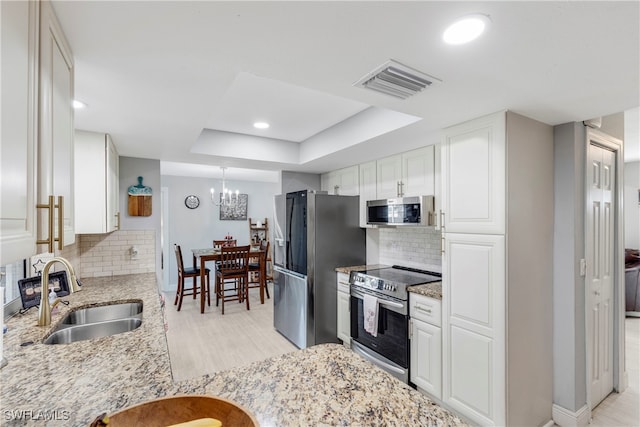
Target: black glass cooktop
404, 275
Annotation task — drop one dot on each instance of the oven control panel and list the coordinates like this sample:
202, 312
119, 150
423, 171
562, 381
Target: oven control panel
373, 283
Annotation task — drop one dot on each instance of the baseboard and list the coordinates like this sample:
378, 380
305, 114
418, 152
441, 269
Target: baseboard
566, 418
549, 424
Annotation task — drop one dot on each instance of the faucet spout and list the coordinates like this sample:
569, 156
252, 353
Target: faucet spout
44, 312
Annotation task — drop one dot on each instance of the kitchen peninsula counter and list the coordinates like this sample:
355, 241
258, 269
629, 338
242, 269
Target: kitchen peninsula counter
71, 384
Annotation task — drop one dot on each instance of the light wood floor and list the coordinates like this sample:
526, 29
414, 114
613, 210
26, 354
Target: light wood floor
623, 409
210, 342
206, 343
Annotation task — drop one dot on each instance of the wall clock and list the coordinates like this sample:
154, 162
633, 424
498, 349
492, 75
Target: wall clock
192, 202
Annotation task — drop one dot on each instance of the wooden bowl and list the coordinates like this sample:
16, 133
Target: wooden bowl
179, 409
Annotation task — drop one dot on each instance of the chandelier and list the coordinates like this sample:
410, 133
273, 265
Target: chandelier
227, 197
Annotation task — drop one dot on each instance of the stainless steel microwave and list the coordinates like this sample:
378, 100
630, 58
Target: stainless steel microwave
402, 211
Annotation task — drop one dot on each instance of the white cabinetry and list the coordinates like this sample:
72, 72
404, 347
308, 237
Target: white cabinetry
55, 147
96, 183
388, 177
19, 87
342, 181
497, 367
344, 322
473, 176
367, 189
426, 344
407, 174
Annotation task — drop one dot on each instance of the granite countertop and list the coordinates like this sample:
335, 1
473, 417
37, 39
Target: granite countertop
70, 384
348, 270
431, 290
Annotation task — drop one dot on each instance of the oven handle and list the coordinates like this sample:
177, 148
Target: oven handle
376, 360
399, 308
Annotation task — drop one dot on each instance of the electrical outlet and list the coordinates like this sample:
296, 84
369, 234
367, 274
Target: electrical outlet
583, 267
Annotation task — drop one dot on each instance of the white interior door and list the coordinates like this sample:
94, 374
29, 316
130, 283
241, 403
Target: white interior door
601, 214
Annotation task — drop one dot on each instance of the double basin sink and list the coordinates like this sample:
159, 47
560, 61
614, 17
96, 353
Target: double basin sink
97, 322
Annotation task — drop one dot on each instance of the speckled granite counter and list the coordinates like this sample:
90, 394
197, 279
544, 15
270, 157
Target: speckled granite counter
348, 270
432, 290
71, 384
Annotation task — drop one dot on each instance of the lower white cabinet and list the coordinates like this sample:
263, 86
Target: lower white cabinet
344, 323
426, 344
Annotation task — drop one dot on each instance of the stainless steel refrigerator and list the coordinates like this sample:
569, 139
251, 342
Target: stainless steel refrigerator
314, 233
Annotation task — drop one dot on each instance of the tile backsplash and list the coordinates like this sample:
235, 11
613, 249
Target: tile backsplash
417, 247
111, 255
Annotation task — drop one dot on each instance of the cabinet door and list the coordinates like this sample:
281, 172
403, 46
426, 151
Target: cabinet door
344, 321
388, 177
55, 150
348, 181
329, 181
19, 129
474, 301
473, 176
418, 172
113, 185
426, 357
367, 182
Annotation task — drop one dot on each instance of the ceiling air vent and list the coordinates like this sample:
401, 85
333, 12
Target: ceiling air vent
395, 79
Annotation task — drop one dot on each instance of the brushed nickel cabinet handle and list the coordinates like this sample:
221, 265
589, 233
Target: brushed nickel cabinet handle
49, 240
60, 207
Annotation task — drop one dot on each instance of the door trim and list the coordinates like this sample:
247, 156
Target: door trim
620, 376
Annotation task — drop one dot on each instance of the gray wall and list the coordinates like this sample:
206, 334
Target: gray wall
197, 228
569, 347
130, 169
631, 205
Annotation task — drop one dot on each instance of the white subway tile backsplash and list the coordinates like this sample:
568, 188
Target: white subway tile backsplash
109, 254
417, 247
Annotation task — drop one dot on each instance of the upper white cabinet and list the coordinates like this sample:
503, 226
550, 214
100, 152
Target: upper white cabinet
96, 183
343, 181
55, 145
19, 87
367, 189
407, 174
388, 177
473, 176
497, 203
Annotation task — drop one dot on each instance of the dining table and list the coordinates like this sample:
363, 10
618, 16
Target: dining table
205, 255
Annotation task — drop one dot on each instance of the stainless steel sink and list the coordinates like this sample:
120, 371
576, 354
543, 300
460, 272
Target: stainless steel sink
103, 313
90, 331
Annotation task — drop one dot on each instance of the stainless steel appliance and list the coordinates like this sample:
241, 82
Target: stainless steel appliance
319, 233
389, 349
402, 211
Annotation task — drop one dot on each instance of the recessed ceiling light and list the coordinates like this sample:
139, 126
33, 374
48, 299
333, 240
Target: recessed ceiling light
78, 104
261, 125
466, 29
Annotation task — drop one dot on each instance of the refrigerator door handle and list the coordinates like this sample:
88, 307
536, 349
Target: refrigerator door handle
289, 272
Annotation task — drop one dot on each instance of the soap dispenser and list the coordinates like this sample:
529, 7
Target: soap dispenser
52, 298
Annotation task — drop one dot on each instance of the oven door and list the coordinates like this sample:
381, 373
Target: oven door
392, 340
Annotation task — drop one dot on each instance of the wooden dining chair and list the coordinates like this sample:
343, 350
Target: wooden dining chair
185, 273
258, 271
217, 244
233, 269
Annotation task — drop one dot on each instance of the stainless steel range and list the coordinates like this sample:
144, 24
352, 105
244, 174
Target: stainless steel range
389, 348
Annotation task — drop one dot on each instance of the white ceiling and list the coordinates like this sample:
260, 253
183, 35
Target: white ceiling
167, 78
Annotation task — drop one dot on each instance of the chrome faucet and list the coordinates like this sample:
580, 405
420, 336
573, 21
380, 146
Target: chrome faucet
44, 312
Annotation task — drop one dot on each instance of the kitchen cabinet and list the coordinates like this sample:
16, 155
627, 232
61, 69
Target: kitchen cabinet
367, 191
407, 174
426, 344
19, 87
341, 181
55, 145
497, 269
344, 322
96, 183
